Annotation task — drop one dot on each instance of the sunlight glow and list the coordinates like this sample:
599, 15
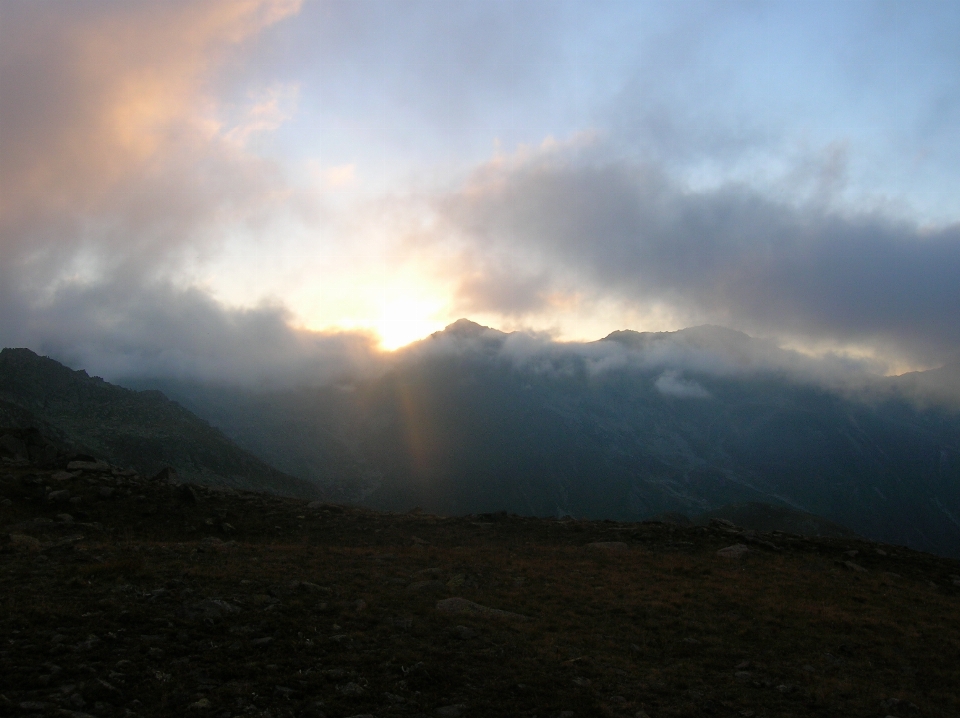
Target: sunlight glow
407, 319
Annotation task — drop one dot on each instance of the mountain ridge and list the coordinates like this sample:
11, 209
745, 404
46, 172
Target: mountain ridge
472, 420
141, 429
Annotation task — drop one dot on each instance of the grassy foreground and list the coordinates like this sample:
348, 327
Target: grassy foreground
123, 596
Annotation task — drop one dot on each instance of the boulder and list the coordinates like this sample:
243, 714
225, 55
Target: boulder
463, 607
11, 447
736, 551
611, 546
98, 467
427, 587
166, 475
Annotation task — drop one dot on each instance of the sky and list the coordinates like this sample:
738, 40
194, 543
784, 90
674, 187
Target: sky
240, 189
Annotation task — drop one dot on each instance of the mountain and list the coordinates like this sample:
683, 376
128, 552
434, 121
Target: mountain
628, 427
140, 429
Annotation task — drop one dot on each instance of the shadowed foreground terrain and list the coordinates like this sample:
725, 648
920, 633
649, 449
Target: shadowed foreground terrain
131, 597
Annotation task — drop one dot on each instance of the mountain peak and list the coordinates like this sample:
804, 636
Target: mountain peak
705, 333
464, 326
465, 329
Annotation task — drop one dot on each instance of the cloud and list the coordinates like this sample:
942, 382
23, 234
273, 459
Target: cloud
99, 95
116, 168
124, 329
670, 383
728, 255
665, 357
269, 110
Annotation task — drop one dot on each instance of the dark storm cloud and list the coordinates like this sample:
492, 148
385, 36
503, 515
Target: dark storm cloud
728, 255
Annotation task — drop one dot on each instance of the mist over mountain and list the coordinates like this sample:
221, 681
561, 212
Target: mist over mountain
142, 430
637, 424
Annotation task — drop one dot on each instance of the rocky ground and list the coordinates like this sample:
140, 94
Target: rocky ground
126, 596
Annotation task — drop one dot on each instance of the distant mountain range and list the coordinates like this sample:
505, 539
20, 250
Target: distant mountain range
629, 427
142, 430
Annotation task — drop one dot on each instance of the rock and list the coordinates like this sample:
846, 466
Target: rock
62, 476
608, 545
308, 587
34, 706
24, 541
58, 496
405, 622
427, 587
461, 606
201, 704
324, 506
261, 641
738, 550
93, 466
88, 644
434, 571
854, 567
456, 582
723, 524
219, 545
350, 689
751, 538
453, 711
213, 608
188, 495
12, 447
109, 687
106, 492
166, 475
464, 632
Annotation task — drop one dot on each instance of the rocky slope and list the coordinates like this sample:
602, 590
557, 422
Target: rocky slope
142, 430
125, 596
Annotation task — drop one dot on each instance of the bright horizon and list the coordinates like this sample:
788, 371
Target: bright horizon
259, 182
